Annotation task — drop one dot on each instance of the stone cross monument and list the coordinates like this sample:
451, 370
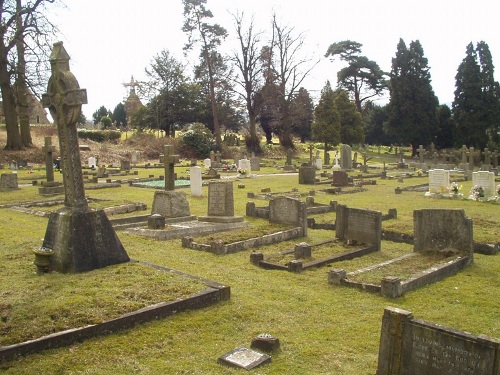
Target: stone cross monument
50, 187
81, 238
169, 160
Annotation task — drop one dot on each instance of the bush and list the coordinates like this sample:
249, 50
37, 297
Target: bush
99, 135
197, 142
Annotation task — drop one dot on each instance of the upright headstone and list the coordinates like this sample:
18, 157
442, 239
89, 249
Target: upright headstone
471, 158
50, 187
364, 226
288, 163
254, 163
340, 178
124, 165
307, 174
92, 162
244, 167
207, 163
134, 158
486, 180
289, 211
345, 157
439, 181
170, 203
195, 181
221, 202
421, 152
8, 181
82, 239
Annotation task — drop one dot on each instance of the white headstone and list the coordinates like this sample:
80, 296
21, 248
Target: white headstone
439, 181
486, 180
336, 165
319, 164
207, 163
92, 162
244, 165
134, 157
196, 181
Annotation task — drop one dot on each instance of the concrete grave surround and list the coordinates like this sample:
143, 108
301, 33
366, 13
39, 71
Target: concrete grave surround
410, 346
82, 239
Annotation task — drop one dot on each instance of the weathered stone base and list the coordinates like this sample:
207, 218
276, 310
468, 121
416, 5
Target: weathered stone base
83, 240
221, 219
51, 188
170, 204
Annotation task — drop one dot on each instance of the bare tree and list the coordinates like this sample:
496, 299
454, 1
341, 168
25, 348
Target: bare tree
248, 61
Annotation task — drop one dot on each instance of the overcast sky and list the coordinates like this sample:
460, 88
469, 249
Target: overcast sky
111, 40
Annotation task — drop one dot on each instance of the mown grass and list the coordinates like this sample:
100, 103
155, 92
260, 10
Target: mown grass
323, 329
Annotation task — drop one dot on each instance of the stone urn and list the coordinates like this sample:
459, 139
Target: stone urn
42, 259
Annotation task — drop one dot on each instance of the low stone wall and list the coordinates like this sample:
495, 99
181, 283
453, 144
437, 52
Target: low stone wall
219, 248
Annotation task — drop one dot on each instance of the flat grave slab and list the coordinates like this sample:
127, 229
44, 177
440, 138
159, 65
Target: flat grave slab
244, 358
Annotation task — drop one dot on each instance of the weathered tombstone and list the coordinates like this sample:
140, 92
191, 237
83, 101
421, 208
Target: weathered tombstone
470, 153
487, 159
340, 178
170, 203
244, 358
124, 165
355, 158
101, 172
195, 181
207, 163
307, 175
439, 181
318, 164
443, 230
212, 156
134, 158
421, 152
360, 225
221, 202
81, 238
410, 346
289, 211
244, 167
486, 180
288, 163
92, 162
255, 163
345, 157
8, 181
49, 187
336, 165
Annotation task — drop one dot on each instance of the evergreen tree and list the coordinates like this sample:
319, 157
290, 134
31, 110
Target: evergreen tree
326, 125
444, 137
351, 122
119, 115
412, 106
302, 114
374, 119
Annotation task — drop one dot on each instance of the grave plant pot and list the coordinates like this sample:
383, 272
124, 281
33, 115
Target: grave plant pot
42, 259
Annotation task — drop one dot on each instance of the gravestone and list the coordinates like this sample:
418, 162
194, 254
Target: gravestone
8, 181
124, 165
463, 160
340, 178
318, 164
244, 358
81, 238
487, 181
307, 175
443, 230
336, 165
255, 163
288, 211
134, 158
221, 203
92, 162
289, 164
345, 157
439, 181
354, 224
170, 203
410, 346
207, 163
195, 181
50, 187
244, 167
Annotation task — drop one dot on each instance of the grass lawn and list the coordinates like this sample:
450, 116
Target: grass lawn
323, 329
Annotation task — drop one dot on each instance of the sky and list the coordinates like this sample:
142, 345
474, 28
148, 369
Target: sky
109, 41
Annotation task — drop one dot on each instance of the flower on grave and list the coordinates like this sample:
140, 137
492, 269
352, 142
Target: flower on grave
242, 171
477, 191
455, 188
442, 190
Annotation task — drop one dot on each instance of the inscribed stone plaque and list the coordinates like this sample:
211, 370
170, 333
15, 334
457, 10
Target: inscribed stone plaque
345, 157
285, 210
245, 358
486, 180
438, 178
220, 198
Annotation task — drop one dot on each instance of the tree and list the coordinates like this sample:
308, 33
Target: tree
374, 119
210, 36
100, 113
119, 115
165, 73
351, 122
247, 60
475, 107
106, 122
18, 22
326, 125
412, 106
302, 114
284, 68
444, 136
362, 77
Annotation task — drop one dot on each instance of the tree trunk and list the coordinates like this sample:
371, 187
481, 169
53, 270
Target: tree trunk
14, 141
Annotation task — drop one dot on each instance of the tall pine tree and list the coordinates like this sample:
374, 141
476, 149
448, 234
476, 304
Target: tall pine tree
351, 122
413, 104
326, 125
476, 106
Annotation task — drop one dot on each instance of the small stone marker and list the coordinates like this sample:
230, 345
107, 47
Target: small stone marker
8, 181
92, 162
244, 358
265, 342
195, 181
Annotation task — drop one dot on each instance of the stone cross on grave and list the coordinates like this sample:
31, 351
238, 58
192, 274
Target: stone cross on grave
421, 151
169, 160
470, 154
487, 156
464, 154
48, 149
64, 98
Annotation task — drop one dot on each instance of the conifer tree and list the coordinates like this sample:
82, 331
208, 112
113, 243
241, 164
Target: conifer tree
351, 122
326, 125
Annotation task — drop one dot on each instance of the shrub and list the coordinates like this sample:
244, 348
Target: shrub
99, 135
197, 142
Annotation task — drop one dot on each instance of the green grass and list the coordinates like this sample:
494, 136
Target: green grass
323, 329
